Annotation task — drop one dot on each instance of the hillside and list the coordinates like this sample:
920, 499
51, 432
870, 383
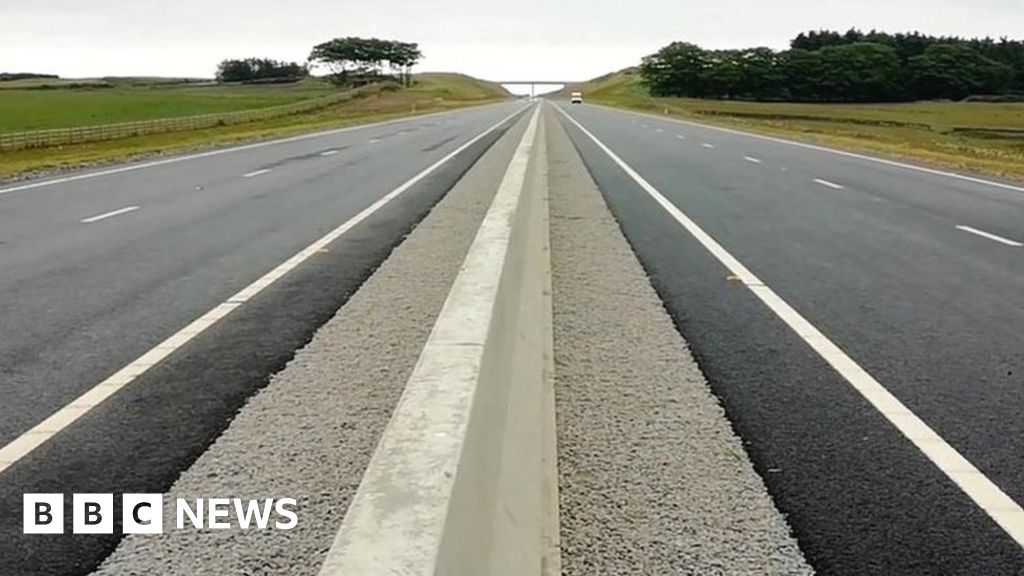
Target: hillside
459, 86
144, 100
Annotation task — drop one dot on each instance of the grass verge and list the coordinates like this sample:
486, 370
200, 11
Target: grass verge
431, 93
968, 136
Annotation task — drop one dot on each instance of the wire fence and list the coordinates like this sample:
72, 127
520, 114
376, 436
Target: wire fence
81, 134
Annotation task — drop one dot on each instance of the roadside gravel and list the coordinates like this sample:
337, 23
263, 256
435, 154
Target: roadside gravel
311, 432
652, 479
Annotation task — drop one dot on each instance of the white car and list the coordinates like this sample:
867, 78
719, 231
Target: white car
576, 98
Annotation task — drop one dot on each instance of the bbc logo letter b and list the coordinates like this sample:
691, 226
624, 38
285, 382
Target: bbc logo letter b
43, 514
93, 514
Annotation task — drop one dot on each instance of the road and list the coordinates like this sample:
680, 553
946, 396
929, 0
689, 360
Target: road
859, 319
100, 267
917, 276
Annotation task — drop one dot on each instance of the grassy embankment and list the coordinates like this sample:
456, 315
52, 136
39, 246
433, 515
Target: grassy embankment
971, 136
130, 100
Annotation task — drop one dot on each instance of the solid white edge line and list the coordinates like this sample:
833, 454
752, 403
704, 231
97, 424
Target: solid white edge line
817, 148
40, 433
218, 152
111, 214
832, 185
256, 173
989, 497
990, 236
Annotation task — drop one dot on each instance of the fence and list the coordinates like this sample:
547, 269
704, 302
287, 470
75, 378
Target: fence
80, 134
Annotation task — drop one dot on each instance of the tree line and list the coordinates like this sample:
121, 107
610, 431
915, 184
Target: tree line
260, 70
825, 66
347, 60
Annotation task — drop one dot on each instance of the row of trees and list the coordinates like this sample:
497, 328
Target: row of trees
909, 45
832, 67
347, 60
260, 70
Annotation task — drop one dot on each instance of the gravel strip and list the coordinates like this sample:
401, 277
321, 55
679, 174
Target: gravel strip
310, 433
652, 478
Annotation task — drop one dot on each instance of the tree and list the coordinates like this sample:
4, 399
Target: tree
676, 70
359, 59
955, 72
861, 72
804, 73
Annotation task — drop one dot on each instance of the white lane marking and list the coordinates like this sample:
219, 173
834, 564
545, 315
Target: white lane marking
176, 159
832, 185
990, 236
329, 153
989, 497
708, 146
894, 163
106, 215
680, 136
426, 432
659, 130
374, 140
752, 160
256, 173
40, 433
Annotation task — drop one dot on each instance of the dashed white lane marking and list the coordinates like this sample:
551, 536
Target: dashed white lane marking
329, 153
211, 153
40, 433
374, 140
990, 236
752, 160
659, 130
806, 146
680, 136
708, 146
256, 173
111, 214
832, 185
989, 497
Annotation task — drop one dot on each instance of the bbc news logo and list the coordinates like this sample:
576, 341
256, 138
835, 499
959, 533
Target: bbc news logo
144, 514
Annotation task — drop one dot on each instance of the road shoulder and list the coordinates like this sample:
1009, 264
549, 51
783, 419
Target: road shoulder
652, 478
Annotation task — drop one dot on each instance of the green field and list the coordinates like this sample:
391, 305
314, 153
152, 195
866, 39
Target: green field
973, 136
98, 102
430, 93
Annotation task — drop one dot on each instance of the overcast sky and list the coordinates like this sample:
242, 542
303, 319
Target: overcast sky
512, 39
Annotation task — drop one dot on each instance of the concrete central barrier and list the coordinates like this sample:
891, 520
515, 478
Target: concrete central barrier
463, 481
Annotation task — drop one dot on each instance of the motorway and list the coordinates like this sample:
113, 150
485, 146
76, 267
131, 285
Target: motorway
916, 275
104, 266
859, 319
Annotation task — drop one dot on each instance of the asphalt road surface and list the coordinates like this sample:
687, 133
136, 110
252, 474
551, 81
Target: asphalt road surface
100, 267
916, 275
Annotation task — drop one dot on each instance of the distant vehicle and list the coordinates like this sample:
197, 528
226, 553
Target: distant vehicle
576, 98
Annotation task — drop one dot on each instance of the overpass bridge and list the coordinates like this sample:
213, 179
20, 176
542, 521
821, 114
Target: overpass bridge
534, 83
